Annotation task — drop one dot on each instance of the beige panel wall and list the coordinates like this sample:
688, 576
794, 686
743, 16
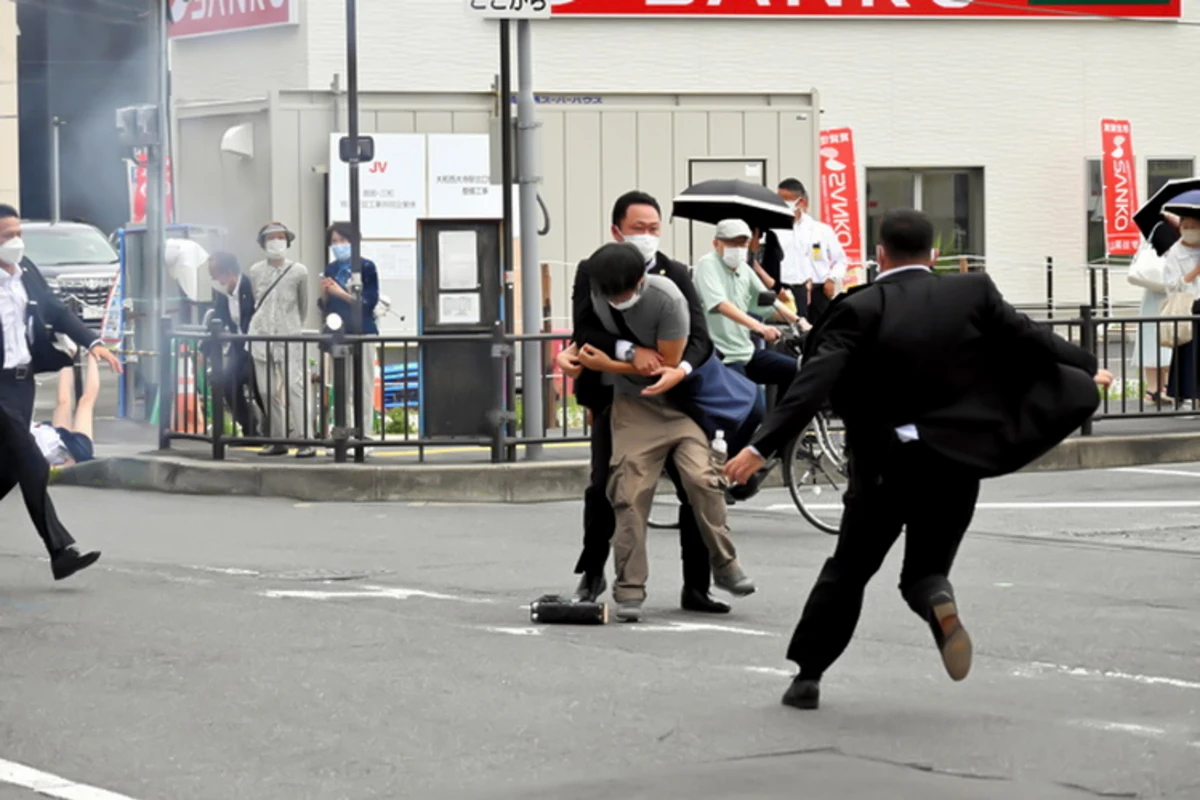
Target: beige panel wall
10, 151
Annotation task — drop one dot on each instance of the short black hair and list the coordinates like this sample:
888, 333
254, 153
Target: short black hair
614, 269
342, 229
794, 186
9, 212
906, 235
634, 198
225, 262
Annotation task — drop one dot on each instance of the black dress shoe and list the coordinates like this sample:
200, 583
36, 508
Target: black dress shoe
803, 694
590, 588
701, 602
66, 563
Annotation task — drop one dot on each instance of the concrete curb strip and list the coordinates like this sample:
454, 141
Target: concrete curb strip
527, 482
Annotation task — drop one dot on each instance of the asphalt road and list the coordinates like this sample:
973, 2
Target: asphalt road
238, 648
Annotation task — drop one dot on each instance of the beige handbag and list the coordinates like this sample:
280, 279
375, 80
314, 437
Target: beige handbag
1175, 334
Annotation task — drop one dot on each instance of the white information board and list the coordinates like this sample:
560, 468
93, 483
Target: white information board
396, 263
392, 190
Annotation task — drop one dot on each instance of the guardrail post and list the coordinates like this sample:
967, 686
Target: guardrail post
1049, 287
216, 386
1092, 285
340, 352
1106, 296
1087, 340
166, 383
502, 417
357, 373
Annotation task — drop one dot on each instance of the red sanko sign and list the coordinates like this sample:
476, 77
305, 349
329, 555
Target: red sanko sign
205, 17
1121, 234
946, 9
839, 191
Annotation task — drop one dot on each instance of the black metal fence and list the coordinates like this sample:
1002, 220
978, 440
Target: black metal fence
327, 392
320, 392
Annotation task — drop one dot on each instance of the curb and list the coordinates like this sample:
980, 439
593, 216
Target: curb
528, 482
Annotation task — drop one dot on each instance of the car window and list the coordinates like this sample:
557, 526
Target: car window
51, 247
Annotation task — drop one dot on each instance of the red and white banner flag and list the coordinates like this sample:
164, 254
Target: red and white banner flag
137, 190
1121, 234
839, 192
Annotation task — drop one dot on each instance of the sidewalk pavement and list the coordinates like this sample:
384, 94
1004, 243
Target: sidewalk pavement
129, 460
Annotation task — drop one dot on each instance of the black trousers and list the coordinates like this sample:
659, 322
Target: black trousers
916, 490
238, 386
819, 303
22, 463
599, 522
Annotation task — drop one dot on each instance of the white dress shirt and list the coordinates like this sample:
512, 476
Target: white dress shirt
814, 255
14, 304
235, 303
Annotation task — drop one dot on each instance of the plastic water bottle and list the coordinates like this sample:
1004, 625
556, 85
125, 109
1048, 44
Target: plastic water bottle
720, 449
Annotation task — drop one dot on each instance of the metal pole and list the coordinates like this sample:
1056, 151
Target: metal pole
55, 171
356, 312
527, 165
156, 176
506, 179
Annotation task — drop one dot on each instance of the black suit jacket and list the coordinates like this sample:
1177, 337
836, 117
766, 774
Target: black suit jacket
245, 307
47, 316
985, 386
589, 388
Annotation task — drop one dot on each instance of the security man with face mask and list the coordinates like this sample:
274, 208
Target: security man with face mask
730, 290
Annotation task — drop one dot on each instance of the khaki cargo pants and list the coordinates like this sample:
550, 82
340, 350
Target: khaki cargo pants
644, 434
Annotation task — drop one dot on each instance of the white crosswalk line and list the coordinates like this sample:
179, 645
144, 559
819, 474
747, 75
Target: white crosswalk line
49, 785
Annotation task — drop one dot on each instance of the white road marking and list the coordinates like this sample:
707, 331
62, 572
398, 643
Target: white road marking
226, 570
1121, 727
1116, 504
774, 672
1040, 667
375, 592
1003, 585
52, 785
1154, 471
515, 631
694, 627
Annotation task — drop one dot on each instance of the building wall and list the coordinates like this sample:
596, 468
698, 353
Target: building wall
1020, 99
10, 149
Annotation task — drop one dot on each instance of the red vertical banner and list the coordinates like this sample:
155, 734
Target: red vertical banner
137, 200
839, 192
1121, 234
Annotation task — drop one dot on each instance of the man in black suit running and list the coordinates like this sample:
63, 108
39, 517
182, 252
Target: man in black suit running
980, 390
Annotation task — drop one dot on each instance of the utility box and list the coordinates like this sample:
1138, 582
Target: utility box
459, 286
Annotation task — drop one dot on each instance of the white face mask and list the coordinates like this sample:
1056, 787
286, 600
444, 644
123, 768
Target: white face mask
12, 251
625, 305
1191, 236
735, 257
647, 245
276, 247
791, 204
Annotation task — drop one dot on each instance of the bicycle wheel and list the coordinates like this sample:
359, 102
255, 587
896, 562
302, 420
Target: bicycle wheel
814, 475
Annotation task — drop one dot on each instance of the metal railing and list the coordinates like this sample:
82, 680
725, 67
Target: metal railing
313, 391
203, 392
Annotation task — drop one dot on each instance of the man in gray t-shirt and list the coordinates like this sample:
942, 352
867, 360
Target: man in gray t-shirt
647, 428
659, 314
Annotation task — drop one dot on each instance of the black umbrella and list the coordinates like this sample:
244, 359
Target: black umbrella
1150, 214
753, 203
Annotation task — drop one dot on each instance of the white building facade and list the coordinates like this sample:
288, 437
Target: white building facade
992, 125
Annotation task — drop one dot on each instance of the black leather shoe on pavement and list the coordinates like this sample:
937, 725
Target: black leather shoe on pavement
803, 694
590, 588
951, 637
701, 602
66, 563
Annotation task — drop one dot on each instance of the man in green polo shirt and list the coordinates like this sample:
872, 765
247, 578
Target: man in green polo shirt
729, 290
